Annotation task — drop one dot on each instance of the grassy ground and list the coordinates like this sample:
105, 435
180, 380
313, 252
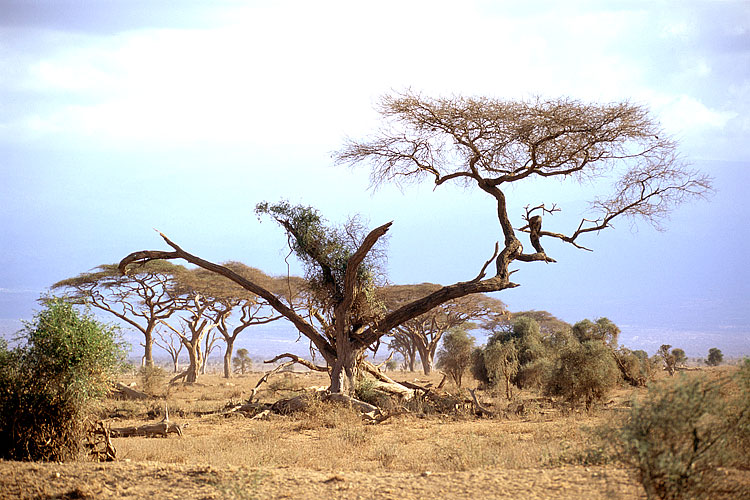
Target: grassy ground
536, 449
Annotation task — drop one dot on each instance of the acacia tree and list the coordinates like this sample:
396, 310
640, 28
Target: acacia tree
423, 333
484, 142
172, 345
401, 343
142, 298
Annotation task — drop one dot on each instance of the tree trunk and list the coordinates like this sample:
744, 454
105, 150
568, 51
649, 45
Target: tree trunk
426, 355
176, 364
344, 370
148, 346
228, 358
194, 353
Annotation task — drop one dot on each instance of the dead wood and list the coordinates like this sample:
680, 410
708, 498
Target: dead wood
122, 391
296, 359
265, 377
479, 408
363, 407
178, 377
287, 406
161, 429
99, 444
386, 384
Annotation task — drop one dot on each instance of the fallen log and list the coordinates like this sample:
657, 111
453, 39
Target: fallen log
125, 392
161, 429
480, 409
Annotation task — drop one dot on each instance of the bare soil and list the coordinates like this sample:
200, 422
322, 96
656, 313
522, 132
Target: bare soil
129, 480
328, 452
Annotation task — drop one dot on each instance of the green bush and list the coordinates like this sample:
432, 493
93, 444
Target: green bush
715, 357
455, 355
48, 385
584, 372
682, 431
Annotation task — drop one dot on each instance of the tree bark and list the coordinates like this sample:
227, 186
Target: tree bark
228, 357
195, 356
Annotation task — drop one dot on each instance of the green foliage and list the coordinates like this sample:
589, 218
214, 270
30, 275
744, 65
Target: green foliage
455, 355
635, 366
681, 432
583, 372
715, 357
242, 361
670, 362
48, 385
501, 362
603, 330
680, 358
531, 351
325, 252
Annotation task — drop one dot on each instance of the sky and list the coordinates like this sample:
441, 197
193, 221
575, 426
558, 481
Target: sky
121, 117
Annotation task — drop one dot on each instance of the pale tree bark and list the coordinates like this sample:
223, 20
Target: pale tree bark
198, 326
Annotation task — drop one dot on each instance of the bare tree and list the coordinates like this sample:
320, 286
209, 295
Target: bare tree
195, 307
480, 141
141, 298
172, 344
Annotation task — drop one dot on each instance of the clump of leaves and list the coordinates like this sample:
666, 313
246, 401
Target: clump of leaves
48, 385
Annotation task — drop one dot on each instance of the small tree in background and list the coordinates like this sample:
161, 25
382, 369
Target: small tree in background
48, 386
680, 358
501, 362
454, 357
242, 361
668, 358
715, 357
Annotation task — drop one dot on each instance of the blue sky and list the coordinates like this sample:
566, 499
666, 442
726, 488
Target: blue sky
118, 117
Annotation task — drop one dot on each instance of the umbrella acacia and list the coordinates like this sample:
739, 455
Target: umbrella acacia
480, 141
142, 298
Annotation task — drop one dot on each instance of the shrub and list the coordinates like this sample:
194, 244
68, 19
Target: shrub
680, 358
48, 385
454, 357
501, 362
152, 378
635, 366
715, 357
679, 435
583, 372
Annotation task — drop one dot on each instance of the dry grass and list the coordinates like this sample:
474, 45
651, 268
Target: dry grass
329, 437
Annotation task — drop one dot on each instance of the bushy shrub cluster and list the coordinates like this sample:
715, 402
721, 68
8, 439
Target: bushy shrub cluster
684, 430
48, 384
583, 372
577, 363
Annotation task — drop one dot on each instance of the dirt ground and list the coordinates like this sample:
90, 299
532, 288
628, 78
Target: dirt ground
540, 453
128, 480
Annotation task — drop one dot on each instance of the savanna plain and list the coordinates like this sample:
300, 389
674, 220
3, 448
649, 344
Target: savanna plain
530, 447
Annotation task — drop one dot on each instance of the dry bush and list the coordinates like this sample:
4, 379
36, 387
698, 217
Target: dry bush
584, 372
152, 379
683, 430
